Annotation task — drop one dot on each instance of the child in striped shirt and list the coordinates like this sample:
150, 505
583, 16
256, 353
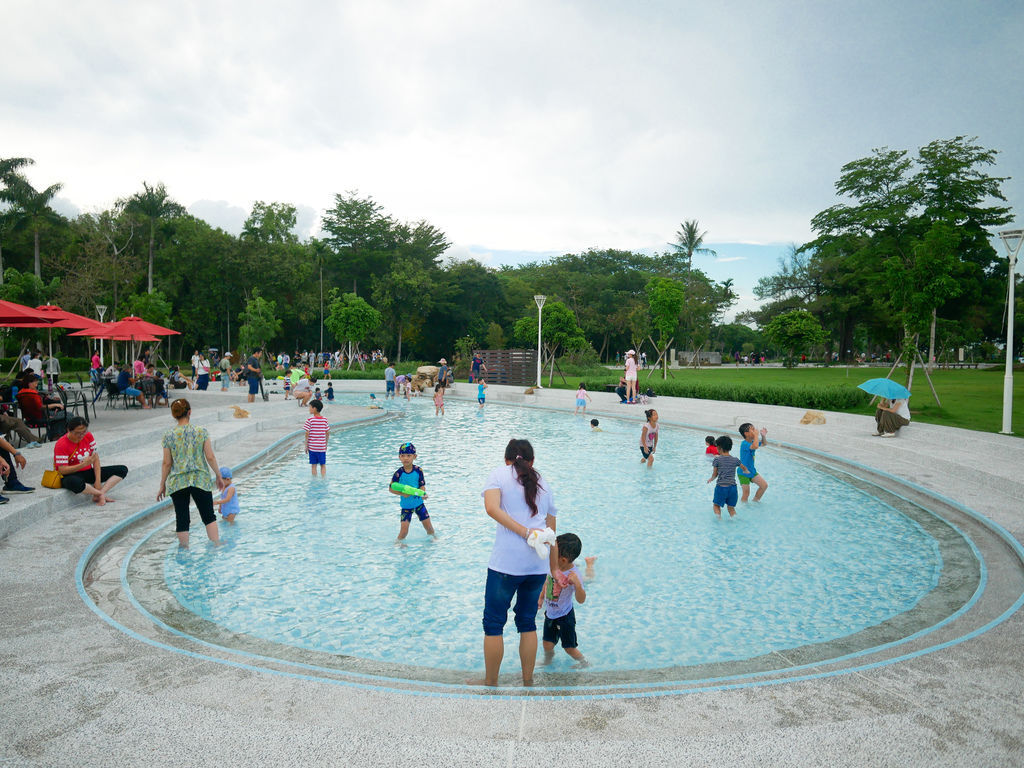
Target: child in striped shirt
317, 429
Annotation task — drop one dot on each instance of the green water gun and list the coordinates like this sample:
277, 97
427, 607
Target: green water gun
400, 488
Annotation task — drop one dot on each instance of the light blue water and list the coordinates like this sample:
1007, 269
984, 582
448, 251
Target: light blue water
313, 563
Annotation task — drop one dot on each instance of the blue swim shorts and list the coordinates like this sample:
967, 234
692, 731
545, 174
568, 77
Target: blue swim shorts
421, 513
481, 400
581, 403
254, 385
726, 495
132, 391
318, 457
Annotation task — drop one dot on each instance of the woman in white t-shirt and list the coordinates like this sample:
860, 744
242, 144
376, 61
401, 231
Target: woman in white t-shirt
631, 376
891, 417
519, 501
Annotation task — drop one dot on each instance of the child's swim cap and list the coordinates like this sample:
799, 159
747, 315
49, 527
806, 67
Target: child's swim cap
372, 396
407, 448
225, 472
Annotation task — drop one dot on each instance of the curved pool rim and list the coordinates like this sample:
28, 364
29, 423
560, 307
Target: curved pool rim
258, 662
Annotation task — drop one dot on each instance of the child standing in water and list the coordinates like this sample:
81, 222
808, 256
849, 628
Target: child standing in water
480, 396
439, 399
649, 437
725, 470
581, 399
228, 501
753, 438
410, 474
557, 597
712, 448
317, 428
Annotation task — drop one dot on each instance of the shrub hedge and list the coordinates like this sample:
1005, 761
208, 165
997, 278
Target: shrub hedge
828, 397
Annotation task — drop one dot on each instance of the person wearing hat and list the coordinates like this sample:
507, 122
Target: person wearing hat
411, 475
228, 501
225, 371
444, 374
631, 376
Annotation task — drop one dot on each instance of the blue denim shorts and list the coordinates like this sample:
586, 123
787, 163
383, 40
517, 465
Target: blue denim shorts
501, 588
725, 495
317, 457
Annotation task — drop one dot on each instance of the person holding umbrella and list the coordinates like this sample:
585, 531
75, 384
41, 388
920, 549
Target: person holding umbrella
893, 411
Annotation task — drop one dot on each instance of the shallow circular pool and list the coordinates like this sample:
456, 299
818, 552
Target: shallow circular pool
824, 562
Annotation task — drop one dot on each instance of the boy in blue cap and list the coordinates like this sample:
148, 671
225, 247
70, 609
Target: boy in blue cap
410, 474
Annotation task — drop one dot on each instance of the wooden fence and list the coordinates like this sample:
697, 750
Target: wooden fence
510, 366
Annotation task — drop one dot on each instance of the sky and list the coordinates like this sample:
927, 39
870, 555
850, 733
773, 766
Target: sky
521, 130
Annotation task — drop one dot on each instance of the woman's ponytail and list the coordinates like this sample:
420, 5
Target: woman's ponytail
520, 453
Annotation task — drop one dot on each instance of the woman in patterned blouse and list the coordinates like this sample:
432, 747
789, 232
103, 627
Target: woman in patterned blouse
187, 454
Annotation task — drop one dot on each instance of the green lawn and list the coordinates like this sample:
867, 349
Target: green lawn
972, 399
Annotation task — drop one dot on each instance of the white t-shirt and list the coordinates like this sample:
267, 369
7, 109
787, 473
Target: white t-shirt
903, 409
301, 386
36, 365
511, 553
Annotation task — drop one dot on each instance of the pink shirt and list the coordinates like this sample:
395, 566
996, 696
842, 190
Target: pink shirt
630, 367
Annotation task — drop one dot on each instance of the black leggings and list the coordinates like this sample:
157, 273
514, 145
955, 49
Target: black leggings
204, 503
76, 481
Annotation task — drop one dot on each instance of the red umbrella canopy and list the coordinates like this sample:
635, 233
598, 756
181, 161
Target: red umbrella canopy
95, 330
64, 319
136, 327
19, 316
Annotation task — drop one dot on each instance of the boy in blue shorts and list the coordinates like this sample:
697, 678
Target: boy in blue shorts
725, 466
480, 395
410, 474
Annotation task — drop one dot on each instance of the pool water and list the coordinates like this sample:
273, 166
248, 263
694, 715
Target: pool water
313, 563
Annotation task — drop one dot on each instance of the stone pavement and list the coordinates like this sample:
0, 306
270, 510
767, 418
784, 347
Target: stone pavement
75, 691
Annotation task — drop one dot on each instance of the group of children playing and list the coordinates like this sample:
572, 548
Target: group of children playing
565, 585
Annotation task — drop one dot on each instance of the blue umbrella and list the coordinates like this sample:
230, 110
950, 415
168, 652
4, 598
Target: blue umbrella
887, 388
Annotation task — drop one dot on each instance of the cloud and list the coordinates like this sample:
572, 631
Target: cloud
731, 258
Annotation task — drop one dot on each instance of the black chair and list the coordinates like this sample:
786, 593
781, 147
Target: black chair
115, 395
74, 402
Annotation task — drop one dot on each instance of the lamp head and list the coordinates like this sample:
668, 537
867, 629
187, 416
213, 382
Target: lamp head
540, 300
1012, 239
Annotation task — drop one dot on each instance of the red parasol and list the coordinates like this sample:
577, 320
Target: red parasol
19, 316
136, 326
62, 318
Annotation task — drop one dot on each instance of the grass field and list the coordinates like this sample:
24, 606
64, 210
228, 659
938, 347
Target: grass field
972, 399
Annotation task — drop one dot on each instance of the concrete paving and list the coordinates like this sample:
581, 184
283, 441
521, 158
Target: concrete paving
76, 691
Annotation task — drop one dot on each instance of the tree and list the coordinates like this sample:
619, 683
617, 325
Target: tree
9, 168
405, 296
102, 264
31, 210
152, 205
351, 320
359, 234
666, 299
258, 322
559, 331
796, 330
690, 240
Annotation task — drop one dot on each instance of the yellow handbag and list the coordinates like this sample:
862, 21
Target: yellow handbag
51, 478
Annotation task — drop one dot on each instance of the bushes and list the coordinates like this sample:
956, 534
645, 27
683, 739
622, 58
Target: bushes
822, 397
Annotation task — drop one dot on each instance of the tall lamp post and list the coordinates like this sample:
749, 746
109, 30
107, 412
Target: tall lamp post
1012, 238
101, 310
540, 305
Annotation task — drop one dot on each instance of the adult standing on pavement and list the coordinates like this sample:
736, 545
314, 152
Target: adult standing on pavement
225, 371
184, 474
478, 369
254, 373
631, 376
203, 372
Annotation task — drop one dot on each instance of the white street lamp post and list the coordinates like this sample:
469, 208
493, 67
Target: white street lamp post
540, 305
1012, 238
101, 310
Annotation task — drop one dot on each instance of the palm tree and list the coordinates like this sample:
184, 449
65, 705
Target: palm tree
31, 209
690, 240
9, 167
152, 205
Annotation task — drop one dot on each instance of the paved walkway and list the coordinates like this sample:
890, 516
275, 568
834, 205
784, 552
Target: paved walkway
74, 691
